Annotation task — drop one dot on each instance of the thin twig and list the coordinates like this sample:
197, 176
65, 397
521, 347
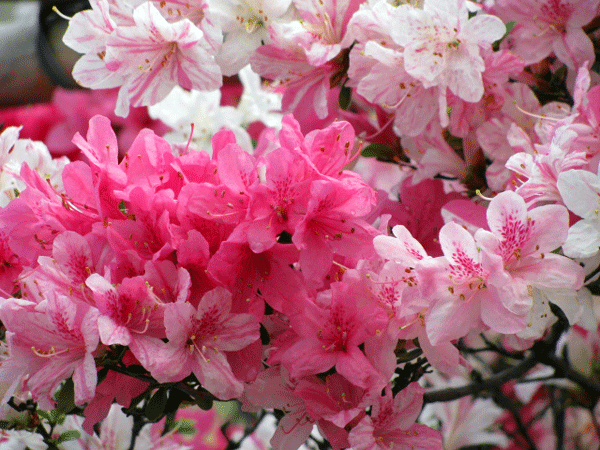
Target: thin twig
504, 402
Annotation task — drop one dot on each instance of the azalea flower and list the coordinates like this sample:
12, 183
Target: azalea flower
442, 46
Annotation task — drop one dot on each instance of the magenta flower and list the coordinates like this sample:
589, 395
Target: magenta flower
197, 339
330, 336
391, 424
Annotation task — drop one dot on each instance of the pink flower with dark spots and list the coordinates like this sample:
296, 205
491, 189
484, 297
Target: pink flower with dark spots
391, 424
198, 338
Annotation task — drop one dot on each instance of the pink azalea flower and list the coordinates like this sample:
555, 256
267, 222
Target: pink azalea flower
442, 45
335, 400
541, 170
49, 344
330, 336
274, 389
307, 56
391, 424
333, 225
64, 272
252, 276
334, 405
127, 311
489, 278
10, 268
546, 26
397, 285
150, 58
278, 203
197, 339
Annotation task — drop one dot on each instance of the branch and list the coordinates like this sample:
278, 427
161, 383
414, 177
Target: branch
504, 402
564, 370
490, 383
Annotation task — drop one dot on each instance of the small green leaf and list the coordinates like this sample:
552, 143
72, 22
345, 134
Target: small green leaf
155, 407
136, 369
65, 401
205, 403
375, 150
509, 27
345, 98
43, 414
186, 427
56, 417
69, 435
264, 335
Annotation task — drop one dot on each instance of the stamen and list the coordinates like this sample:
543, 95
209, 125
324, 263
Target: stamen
50, 353
187, 147
55, 9
479, 194
537, 116
146, 326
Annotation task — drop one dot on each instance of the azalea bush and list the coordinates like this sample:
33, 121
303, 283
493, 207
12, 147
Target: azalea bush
373, 224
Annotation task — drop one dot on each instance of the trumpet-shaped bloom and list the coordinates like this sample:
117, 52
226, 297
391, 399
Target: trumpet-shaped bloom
546, 26
49, 344
149, 59
391, 424
442, 45
197, 339
580, 191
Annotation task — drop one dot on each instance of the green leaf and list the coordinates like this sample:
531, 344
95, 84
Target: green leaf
509, 27
375, 150
65, 401
264, 335
155, 407
186, 427
69, 435
345, 97
44, 414
205, 403
136, 369
56, 417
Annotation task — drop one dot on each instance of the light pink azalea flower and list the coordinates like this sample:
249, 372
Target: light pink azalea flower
486, 281
246, 26
49, 343
116, 433
546, 26
541, 169
442, 46
580, 191
150, 58
465, 422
